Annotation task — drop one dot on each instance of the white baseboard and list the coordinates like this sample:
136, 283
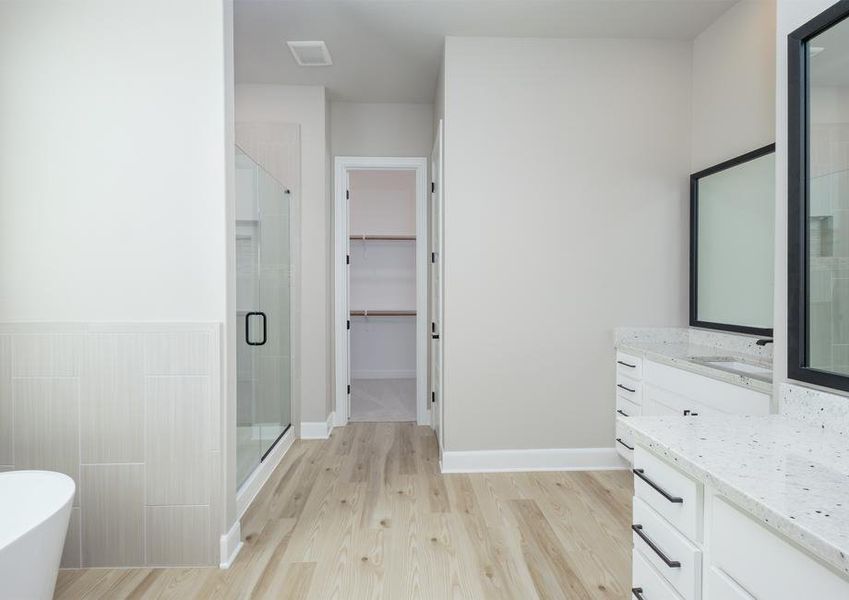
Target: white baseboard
556, 459
318, 430
382, 374
231, 543
252, 486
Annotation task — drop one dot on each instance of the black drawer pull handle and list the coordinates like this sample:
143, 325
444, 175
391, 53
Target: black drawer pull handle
642, 475
624, 364
622, 412
673, 564
248, 328
627, 389
638, 593
624, 444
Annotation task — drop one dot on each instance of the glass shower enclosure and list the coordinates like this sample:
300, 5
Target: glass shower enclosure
263, 404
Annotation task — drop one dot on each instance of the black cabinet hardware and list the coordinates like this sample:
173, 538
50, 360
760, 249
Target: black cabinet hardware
627, 389
621, 412
624, 364
763, 342
642, 475
248, 328
638, 593
672, 564
624, 444
690, 413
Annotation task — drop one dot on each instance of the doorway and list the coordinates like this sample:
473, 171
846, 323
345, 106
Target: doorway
381, 290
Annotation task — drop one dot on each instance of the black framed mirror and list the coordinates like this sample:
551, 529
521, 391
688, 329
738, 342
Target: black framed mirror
732, 242
818, 200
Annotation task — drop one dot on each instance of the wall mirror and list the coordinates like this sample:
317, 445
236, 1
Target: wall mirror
818, 200
732, 222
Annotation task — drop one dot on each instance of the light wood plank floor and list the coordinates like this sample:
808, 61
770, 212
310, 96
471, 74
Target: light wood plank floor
367, 515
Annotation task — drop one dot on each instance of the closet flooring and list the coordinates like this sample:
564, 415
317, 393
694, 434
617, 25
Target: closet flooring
383, 400
366, 515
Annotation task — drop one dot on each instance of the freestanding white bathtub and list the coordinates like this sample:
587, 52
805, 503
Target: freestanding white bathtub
35, 507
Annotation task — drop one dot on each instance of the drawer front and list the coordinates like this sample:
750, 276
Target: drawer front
669, 492
647, 583
719, 586
624, 442
630, 409
658, 541
739, 545
629, 365
628, 388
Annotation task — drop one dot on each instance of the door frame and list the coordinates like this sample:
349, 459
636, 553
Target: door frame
343, 165
438, 295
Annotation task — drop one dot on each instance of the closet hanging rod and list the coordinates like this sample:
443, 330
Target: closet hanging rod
383, 313
365, 236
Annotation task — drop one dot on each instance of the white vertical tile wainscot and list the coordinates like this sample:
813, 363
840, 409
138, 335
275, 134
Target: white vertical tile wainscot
130, 411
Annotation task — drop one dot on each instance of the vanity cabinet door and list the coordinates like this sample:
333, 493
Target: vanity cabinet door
761, 562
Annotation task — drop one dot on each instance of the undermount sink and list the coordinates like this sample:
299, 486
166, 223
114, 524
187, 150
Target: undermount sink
735, 365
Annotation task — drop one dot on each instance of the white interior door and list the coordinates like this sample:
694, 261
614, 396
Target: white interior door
348, 286
436, 287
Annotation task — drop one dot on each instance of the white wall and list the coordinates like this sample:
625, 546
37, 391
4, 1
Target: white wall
565, 216
791, 14
112, 161
258, 109
734, 84
381, 129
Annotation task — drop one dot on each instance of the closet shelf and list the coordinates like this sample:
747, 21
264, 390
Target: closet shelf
383, 313
365, 237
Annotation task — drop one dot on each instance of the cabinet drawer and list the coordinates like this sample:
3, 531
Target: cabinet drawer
629, 365
763, 563
623, 405
628, 388
668, 491
624, 442
648, 583
719, 586
659, 542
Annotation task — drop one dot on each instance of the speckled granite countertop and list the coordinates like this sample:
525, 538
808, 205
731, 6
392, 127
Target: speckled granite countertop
678, 347
792, 476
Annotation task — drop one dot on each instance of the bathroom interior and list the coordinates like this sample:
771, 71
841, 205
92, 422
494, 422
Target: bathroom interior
424, 299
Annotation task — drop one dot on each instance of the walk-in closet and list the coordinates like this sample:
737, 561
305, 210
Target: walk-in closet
382, 232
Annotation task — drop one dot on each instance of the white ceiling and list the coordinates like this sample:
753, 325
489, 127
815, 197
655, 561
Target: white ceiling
390, 50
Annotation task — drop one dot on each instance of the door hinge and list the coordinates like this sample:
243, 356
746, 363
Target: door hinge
433, 397
348, 259
432, 187
349, 388
349, 324
433, 257
347, 194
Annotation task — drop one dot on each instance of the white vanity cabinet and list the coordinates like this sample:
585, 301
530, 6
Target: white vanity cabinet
649, 388
691, 543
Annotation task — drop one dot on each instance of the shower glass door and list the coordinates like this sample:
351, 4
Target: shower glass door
263, 307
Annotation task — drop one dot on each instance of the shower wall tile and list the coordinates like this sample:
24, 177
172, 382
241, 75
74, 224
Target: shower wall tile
177, 353
46, 426
112, 399
47, 355
6, 415
112, 515
178, 535
132, 412
177, 440
71, 558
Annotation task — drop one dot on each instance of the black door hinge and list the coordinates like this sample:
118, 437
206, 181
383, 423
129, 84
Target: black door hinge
433, 397
349, 388
349, 323
433, 257
432, 187
348, 259
347, 194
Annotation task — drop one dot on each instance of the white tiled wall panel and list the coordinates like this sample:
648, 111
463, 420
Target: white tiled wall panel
131, 413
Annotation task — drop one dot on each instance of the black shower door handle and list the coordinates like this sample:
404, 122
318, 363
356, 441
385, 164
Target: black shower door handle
248, 328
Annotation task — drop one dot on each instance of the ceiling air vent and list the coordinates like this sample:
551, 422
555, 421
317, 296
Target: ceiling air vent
310, 54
